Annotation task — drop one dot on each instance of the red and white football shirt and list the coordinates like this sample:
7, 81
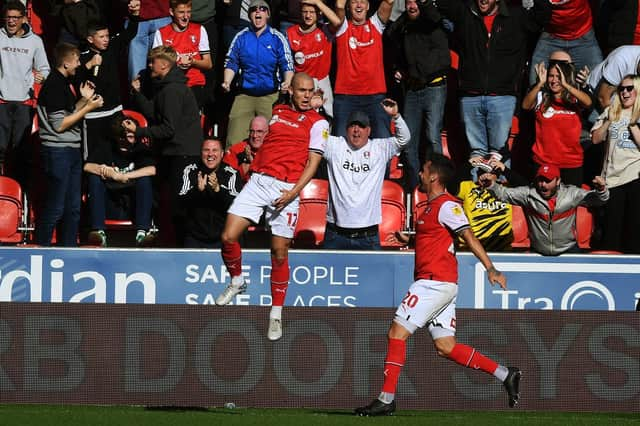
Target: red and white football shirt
360, 67
570, 19
193, 41
311, 51
435, 228
292, 134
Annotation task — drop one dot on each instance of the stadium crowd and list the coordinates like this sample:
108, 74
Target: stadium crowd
124, 108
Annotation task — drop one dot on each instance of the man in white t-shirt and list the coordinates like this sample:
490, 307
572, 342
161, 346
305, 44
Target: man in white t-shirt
356, 166
605, 78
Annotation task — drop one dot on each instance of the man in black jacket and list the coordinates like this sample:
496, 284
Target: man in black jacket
174, 124
492, 37
208, 188
422, 65
101, 65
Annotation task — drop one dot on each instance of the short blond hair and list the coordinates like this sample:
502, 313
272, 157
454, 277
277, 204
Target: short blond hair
167, 53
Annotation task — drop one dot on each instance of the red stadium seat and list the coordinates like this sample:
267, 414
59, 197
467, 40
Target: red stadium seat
584, 227
418, 202
520, 230
395, 168
394, 213
12, 212
312, 215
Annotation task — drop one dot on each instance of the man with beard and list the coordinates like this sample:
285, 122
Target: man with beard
208, 189
550, 208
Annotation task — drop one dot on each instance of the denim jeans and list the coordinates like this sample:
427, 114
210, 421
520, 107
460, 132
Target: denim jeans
428, 103
343, 105
487, 122
99, 195
63, 173
335, 241
142, 43
583, 51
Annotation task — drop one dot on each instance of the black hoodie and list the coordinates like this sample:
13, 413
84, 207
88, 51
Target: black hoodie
173, 114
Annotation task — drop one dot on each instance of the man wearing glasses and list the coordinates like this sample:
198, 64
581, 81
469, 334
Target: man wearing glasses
261, 58
240, 156
24, 62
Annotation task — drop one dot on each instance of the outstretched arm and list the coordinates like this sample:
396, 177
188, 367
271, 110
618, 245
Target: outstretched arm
495, 276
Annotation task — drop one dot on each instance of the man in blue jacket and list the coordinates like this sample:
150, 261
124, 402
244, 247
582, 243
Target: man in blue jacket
262, 58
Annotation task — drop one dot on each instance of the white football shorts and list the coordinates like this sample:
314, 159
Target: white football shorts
257, 197
429, 302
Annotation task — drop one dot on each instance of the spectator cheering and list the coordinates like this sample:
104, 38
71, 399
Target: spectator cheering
493, 42
208, 188
311, 44
23, 61
618, 127
360, 81
558, 103
550, 208
101, 65
422, 64
191, 43
60, 113
261, 58
356, 166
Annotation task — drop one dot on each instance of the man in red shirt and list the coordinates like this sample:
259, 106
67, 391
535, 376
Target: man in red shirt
360, 79
282, 167
240, 155
311, 47
431, 299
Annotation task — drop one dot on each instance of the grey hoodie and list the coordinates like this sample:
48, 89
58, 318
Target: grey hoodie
19, 57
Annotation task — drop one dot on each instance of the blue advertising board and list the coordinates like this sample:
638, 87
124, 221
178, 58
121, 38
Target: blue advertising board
318, 278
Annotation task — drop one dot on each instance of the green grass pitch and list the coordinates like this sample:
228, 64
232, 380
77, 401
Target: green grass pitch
54, 415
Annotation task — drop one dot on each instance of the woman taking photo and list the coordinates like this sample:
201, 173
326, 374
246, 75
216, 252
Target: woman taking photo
618, 126
558, 103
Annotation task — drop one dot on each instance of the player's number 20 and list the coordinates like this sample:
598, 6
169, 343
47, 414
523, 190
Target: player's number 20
411, 300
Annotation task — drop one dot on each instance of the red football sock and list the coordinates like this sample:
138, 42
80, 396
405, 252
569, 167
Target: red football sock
393, 363
279, 280
469, 357
232, 258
